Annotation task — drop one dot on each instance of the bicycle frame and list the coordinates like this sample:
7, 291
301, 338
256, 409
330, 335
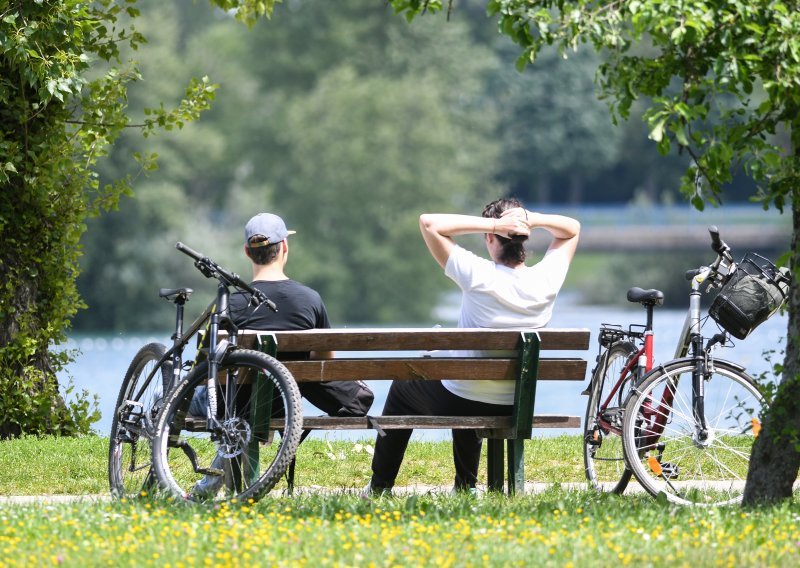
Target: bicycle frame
691, 339
636, 368
214, 318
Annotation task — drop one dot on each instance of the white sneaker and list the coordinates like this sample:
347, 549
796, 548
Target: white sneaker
369, 492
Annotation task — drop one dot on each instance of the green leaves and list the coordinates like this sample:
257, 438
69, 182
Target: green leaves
412, 8
247, 11
56, 124
198, 97
702, 61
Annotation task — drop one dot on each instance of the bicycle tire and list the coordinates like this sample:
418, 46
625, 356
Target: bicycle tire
133, 424
603, 456
676, 461
241, 461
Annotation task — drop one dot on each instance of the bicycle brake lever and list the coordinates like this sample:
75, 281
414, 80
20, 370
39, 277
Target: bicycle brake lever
261, 298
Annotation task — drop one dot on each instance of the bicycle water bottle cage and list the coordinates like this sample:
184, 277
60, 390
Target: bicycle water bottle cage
649, 297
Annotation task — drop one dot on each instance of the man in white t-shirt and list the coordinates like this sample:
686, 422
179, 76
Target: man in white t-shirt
499, 293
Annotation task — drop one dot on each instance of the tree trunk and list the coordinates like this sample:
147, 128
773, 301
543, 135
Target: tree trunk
776, 454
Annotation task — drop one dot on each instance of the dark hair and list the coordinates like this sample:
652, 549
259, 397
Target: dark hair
265, 254
513, 251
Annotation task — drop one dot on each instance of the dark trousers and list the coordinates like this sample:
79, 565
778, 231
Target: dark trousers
421, 398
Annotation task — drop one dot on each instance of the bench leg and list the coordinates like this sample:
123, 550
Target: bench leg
494, 464
260, 413
516, 466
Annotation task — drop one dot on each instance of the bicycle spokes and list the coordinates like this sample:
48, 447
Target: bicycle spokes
671, 451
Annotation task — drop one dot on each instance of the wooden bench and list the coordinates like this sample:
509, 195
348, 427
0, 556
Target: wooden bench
405, 354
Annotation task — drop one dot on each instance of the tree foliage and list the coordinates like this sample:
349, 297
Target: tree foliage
517, 130
344, 130
56, 121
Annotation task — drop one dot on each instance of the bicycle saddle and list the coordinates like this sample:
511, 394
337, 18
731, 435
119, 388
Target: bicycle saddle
640, 296
173, 294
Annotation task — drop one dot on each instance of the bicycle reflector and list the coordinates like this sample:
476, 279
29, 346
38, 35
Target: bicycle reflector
655, 465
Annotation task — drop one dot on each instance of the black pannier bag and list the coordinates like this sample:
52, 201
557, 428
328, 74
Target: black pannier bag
751, 295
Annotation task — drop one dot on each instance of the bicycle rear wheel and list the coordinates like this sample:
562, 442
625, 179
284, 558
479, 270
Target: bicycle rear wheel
664, 442
240, 458
134, 420
602, 443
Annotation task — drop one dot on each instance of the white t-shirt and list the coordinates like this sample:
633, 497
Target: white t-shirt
496, 296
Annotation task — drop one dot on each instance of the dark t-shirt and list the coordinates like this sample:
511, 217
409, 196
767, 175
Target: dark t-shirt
299, 307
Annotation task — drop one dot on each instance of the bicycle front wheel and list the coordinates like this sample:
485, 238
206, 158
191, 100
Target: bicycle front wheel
602, 442
689, 455
134, 421
237, 456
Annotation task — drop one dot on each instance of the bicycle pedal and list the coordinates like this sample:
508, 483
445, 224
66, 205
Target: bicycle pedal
613, 415
594, 438
670, 470
213, 471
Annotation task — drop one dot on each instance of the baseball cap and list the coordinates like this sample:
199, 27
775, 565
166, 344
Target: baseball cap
266, 225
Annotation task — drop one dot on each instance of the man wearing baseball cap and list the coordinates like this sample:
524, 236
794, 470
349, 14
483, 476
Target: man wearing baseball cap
299, 307
266, 244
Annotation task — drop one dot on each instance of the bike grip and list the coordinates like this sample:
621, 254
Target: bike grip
716, 242
188, 251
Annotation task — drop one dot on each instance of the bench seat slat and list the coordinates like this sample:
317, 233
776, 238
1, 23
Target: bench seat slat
430, 369
432, 422
403, 422
412, 339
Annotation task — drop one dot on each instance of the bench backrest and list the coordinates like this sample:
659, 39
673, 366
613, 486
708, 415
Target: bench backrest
404, 354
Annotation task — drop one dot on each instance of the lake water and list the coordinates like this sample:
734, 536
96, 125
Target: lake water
104, 359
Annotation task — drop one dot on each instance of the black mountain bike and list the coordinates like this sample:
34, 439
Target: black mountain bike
200, 429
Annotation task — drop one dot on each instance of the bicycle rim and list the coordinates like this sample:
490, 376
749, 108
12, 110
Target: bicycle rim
248, 453
133, 424
666, 448
602, 444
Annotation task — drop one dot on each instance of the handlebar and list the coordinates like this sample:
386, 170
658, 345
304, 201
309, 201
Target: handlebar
717, 244
211, 269
713, 272
188, 251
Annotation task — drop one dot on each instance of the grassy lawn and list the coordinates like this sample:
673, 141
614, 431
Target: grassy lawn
560, 527
79, 466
